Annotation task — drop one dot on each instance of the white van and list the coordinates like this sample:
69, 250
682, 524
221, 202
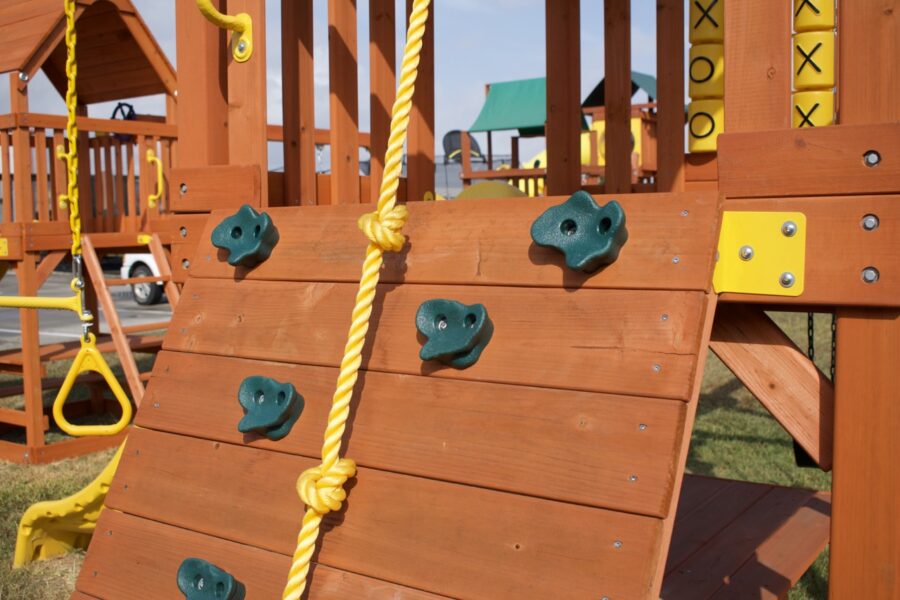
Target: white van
142, 265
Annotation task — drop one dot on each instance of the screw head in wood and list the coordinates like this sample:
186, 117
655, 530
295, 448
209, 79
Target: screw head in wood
871, 158
870, 222
870, 275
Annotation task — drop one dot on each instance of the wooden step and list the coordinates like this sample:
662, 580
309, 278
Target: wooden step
64, 350
134, 280
145, 327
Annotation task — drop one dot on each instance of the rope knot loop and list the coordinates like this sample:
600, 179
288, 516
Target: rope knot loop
385, 230
323, 490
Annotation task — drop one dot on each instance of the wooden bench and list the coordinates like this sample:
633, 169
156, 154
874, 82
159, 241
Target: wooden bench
553, 467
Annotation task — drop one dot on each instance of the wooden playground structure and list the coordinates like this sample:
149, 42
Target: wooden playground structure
553, 464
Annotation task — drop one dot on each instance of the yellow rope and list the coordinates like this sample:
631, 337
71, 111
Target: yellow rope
70, 198
322, 488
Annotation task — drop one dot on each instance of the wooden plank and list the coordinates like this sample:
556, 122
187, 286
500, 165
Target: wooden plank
563, 47
20, 418
130, 201
81, 596
758, 73
23, 202
136, 558
74, 447
298, 102
865, 531
670, 171
662, 229
48, 265
780, 375
809, 161
587, 445
595, 340
838, 249
7, 177
121, 202
383, 84
215, 187
110, 217
89, 124
395, 527
420, 138
173, 293
617, 58
40, 154
59, 176
29, 325
98, 200
343, 101
202, 109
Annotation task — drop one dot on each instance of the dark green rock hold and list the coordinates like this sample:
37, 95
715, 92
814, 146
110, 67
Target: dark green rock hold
270, 408
457, 334
247, 235
590, 236
201, 580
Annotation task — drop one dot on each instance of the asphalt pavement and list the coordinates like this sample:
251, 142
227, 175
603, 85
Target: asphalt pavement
62, 326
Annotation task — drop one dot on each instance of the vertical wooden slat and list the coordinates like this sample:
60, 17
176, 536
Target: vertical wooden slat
617, 94
670, 100
120, 185
758, 65
40, 155
563, 96
109, 184
382, 60
165, 152
99, 199
7, 176
58, 177
465, 146
86, 200
23, 200
29, 324
420, 145
298, 102
869, 74
202, 108
130, 202
143, 174
343, 102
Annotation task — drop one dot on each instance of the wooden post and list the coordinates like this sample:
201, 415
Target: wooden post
343, 102
298, 102
563, 22
420, 144
865, 525
617, 88
202, 108
670, 102
31, 353
23, 203
514, 150
465, 148
383, 78
490, 151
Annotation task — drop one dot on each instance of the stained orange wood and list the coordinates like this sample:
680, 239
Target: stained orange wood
865, 533
417, 532
382, 70
490, 243
617, 57
7, 176
137, 558
71, 447
563, 46
202, 189
298, 102
809, 161
670, 87
587, 445
838, 249
596, 340
779, 374
40, 155
58, 178
343, 101
420, 140
23, 203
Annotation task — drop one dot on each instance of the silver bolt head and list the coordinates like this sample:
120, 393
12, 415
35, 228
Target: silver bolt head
242, 45
870, 222
183, 189
183, 231
787, 279
186, 263
746, 252
871, 158
23, 76
870, 275
789, 229
685, 213
617, 544
676, 260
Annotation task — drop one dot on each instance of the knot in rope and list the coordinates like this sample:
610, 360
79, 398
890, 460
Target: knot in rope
323, 490
385, 230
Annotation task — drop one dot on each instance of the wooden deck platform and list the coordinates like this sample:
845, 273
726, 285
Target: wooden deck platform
11, 360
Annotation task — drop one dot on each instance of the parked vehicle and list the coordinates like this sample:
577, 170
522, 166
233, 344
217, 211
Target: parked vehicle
142, 265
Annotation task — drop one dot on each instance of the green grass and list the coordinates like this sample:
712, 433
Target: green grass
734, 437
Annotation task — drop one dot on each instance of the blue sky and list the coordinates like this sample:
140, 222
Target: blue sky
476, 42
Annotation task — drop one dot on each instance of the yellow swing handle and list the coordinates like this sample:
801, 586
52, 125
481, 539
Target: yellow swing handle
153, 198
241, 24
89, 358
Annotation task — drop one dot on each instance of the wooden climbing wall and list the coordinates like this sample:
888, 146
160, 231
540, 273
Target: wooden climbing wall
551, 468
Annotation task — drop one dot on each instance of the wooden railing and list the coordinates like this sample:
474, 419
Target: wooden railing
112, 158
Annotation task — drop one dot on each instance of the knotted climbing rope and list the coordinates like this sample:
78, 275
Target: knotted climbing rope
322, 488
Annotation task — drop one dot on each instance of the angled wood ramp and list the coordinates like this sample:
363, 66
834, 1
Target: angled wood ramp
550, 469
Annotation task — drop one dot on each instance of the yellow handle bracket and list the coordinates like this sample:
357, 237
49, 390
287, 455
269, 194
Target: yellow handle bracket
241, 24
153, 198
91, 359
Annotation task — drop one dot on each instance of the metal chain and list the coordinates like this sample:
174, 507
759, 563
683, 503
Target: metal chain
70, 198
811, 336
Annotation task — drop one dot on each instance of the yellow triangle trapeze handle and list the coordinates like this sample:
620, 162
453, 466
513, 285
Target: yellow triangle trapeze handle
91, 359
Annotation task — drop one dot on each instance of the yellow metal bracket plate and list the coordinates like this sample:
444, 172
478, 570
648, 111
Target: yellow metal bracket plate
761, 253
4, 246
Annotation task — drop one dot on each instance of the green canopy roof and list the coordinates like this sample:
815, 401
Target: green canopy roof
518, 105
639, 81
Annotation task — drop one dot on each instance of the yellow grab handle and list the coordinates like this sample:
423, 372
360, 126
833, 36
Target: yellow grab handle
152, 199
72, 303
241, 24
90, 359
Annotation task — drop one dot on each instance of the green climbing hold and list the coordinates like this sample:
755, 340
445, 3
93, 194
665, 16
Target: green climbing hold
201, 580
247, 235
457, 333
590, 236
270, 408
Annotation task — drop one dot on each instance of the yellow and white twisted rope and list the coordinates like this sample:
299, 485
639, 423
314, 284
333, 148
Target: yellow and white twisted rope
70, 198
322, 488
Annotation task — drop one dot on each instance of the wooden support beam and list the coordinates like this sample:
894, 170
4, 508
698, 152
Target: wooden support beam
298, 102
779, 374
48, 265
383, 78
420, 144
173, 294
617, 55
563, 41
343, 102
670, 169
202, 108
26, 273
